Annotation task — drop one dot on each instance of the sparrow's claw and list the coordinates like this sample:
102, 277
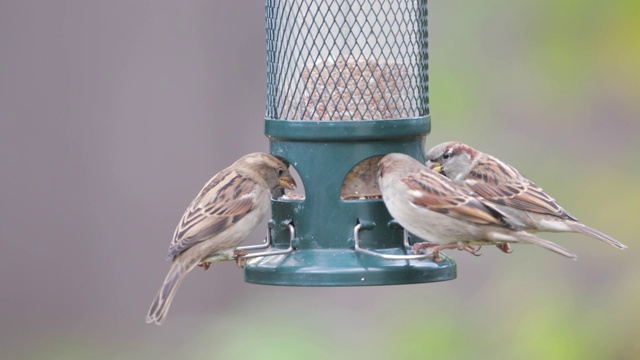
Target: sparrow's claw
473, 251
240, 260
436, 257
504, 247
418, 247
432, 249
205, 265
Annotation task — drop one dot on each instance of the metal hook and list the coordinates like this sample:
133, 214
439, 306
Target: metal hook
356, 238
292, 235
405, 239
394, 224
266, 243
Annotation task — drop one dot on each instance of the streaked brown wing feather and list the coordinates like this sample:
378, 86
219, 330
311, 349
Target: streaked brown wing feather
440, 195
502, 184
223, 201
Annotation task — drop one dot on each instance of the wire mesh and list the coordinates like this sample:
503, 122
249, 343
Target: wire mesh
346, 59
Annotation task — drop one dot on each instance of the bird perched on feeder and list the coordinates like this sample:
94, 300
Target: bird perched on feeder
447, 215
223, 214
507, 189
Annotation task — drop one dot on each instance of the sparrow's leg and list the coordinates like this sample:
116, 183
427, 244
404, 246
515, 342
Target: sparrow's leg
504, 247
240, 261
435, 250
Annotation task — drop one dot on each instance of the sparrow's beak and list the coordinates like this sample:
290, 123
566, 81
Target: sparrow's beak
287, 182
435, 166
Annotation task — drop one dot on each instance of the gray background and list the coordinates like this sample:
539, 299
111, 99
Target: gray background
114, 113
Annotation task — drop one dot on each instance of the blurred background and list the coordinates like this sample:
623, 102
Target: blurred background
113, 114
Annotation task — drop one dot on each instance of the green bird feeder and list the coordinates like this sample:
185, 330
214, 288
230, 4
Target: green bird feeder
347, 83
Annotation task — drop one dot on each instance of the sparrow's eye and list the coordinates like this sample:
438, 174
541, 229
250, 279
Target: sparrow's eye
280, 172
446, 155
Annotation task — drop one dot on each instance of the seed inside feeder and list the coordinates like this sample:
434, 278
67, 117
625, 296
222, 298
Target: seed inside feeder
354, 88
350, 88
361, 182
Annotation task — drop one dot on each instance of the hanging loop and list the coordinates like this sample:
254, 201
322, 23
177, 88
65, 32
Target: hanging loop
365, 225
268, 243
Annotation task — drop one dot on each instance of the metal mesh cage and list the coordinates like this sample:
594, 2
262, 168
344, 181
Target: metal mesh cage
346, 59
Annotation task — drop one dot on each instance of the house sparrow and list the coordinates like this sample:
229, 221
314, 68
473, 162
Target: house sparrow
507, 189
447, 215
223, 214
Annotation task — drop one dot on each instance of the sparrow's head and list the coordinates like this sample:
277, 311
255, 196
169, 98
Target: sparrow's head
397, 164
452, 159
272, 170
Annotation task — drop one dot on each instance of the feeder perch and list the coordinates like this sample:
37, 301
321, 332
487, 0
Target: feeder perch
347, 83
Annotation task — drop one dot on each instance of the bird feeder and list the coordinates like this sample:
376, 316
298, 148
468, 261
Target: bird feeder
347, 83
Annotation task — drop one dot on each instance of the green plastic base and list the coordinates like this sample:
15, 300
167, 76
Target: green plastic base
323, 153
342, 267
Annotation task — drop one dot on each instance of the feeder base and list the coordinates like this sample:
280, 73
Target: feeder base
338, 267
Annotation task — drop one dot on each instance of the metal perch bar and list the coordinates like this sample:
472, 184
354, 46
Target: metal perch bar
268, 243
356, 238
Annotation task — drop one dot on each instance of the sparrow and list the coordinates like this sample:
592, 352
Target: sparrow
507, 189
223, 214
447, 215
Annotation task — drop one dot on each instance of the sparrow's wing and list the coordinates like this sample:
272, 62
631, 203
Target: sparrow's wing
502, 184
436, 193
224, 200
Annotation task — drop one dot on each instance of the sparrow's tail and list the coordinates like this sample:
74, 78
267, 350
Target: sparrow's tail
584, 229
161, 303
549, 245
